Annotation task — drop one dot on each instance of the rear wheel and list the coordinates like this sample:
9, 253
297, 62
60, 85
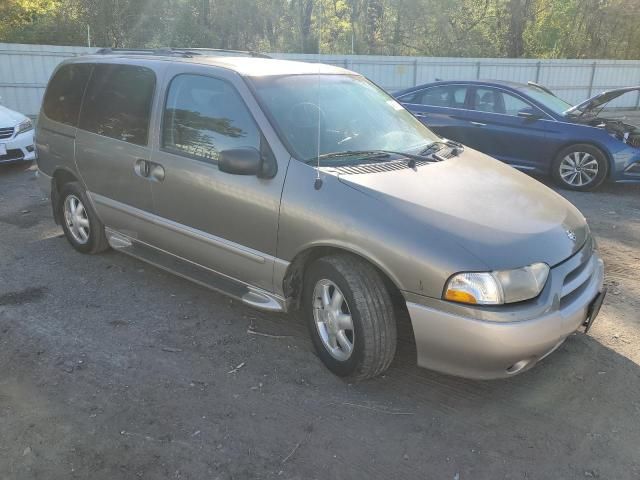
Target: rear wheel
81, 225
350, 316
580, 167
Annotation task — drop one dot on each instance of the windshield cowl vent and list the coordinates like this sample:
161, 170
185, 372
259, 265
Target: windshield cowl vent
376, 167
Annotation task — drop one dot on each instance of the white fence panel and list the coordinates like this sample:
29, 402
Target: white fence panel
25, 70
515, 72
573, 80
430, 71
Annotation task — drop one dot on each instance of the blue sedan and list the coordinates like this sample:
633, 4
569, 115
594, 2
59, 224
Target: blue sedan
530, 128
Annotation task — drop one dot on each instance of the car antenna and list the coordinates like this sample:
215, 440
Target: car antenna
317, 184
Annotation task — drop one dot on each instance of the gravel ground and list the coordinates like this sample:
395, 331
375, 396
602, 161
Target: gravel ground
112, 369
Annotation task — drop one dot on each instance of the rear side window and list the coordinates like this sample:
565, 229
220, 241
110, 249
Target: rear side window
118, 102
488, 100
204, 116
495, 101
64, 95
452, 96
409, 97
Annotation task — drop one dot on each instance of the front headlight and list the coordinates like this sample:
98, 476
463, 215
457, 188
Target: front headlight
24, 126
497, 287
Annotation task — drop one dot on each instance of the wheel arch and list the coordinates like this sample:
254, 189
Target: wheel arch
293, 279
595, 144
60, 177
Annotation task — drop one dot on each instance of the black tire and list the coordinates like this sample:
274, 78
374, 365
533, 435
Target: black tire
580, 149
371, 308
97, 240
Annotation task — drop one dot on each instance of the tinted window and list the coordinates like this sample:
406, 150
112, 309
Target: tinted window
495, 101
409, 97
204, 116
487, 100
512, 105
64, 94
118, 102
452, 96
553, 103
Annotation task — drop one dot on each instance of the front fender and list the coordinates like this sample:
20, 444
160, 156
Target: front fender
340, 216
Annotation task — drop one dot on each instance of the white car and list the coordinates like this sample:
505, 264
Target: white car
16, 137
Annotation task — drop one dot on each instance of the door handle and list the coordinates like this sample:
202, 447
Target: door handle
141, 167
421, 115
149, 170
157, 172
478, 124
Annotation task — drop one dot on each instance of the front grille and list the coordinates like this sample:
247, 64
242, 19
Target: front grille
6, 133
12, 154
577, 279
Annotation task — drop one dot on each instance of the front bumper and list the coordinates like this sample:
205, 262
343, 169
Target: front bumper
19, 148
626, 166
511, 342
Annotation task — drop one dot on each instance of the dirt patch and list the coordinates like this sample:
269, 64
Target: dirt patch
21, 297
21, 219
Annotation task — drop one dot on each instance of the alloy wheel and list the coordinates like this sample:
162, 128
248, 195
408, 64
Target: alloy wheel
333, 320
76, 219
578, 169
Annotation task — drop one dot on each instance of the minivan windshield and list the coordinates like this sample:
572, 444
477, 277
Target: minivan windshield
343, 113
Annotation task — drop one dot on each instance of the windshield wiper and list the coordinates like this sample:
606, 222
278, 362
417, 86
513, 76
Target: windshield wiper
434, 147
350, 153
429, 153
378, 155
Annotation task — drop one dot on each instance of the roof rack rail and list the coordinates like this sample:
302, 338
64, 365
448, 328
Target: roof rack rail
182, 52
221, 51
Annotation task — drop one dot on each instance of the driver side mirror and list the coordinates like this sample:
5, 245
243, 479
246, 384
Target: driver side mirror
530, 114
240, 161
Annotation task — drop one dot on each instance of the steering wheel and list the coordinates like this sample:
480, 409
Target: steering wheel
352, 132
306, 115
304, 120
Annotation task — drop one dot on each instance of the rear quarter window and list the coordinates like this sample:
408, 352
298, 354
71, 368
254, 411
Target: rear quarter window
452, 96
118, 102
63, 98
409, 97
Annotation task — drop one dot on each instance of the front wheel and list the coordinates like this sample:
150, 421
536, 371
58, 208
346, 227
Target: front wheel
350, 316
580, 167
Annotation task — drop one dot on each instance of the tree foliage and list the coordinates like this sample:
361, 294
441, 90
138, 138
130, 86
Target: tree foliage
489, 28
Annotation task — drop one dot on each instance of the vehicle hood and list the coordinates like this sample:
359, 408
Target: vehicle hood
501, 216
10, 118
587, 107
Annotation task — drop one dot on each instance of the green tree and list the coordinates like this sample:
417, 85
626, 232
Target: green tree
477, 28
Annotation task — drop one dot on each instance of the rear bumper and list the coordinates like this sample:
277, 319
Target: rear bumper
473, 348
19, 148
44, 183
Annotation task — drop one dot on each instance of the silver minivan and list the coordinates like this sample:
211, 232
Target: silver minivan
304, 187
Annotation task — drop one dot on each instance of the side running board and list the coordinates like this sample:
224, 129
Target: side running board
208, 278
